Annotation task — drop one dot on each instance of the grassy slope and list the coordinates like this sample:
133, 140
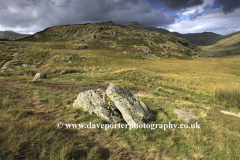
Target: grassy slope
159, 44
29, 111
227, 45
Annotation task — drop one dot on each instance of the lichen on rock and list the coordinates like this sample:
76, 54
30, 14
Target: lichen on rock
114, 105
94, 101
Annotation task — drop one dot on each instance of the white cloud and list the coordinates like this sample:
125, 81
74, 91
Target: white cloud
214, 21
20, 29
188, 12
198, 9
13, 10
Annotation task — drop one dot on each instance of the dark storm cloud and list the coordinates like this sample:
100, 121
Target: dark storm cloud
228, 5
39, 14
179, 4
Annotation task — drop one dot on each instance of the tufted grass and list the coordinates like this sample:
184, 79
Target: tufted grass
29, 112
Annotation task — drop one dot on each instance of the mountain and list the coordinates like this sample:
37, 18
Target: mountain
11, 35
198, 39
226, 45
111, 36
213, 43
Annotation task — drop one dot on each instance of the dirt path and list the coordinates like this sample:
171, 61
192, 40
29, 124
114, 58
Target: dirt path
4, 67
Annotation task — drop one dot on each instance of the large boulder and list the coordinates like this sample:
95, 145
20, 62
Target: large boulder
95, 101
113, 105
132, 108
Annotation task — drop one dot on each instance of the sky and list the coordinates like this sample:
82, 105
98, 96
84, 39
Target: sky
183, 16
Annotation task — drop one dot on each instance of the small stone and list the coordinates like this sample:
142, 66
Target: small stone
40, 76
63, 71
39, 63
185, 116
15, 63
83, 57
82, 47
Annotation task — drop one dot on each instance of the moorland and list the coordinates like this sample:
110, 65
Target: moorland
164, 70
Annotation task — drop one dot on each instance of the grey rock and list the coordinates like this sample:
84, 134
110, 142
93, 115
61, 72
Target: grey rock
14, 63
83, 57
111, 32
40, 76
148, 52
132, 108
167, 56
63, 72
34, 66
113, 105
64, 60
82, 47
185, 116
24, 65
93, 101
93, 36
39, 63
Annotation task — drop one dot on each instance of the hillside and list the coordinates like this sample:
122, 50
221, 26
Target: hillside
39, 121
226, 45
110, 36
198, 39
11, 35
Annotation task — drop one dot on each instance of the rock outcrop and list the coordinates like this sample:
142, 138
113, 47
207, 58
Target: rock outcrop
113, 105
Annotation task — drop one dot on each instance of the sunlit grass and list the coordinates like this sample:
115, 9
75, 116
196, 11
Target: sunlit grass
28, 123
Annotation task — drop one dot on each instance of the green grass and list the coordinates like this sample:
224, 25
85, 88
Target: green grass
226, 46
30, 111
230, 95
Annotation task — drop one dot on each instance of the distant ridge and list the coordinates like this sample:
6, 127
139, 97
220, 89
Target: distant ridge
225, 45
198, 39
11, 34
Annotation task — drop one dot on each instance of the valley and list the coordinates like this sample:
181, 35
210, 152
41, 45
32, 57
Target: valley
167, 72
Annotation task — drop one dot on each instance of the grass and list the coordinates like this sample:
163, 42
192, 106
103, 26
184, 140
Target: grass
228, 94
226, 46
29, 111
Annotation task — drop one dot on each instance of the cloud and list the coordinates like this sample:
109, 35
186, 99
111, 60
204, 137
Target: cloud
213, 20
183, 16
228, 5
36, 15
179, 4
191, 11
